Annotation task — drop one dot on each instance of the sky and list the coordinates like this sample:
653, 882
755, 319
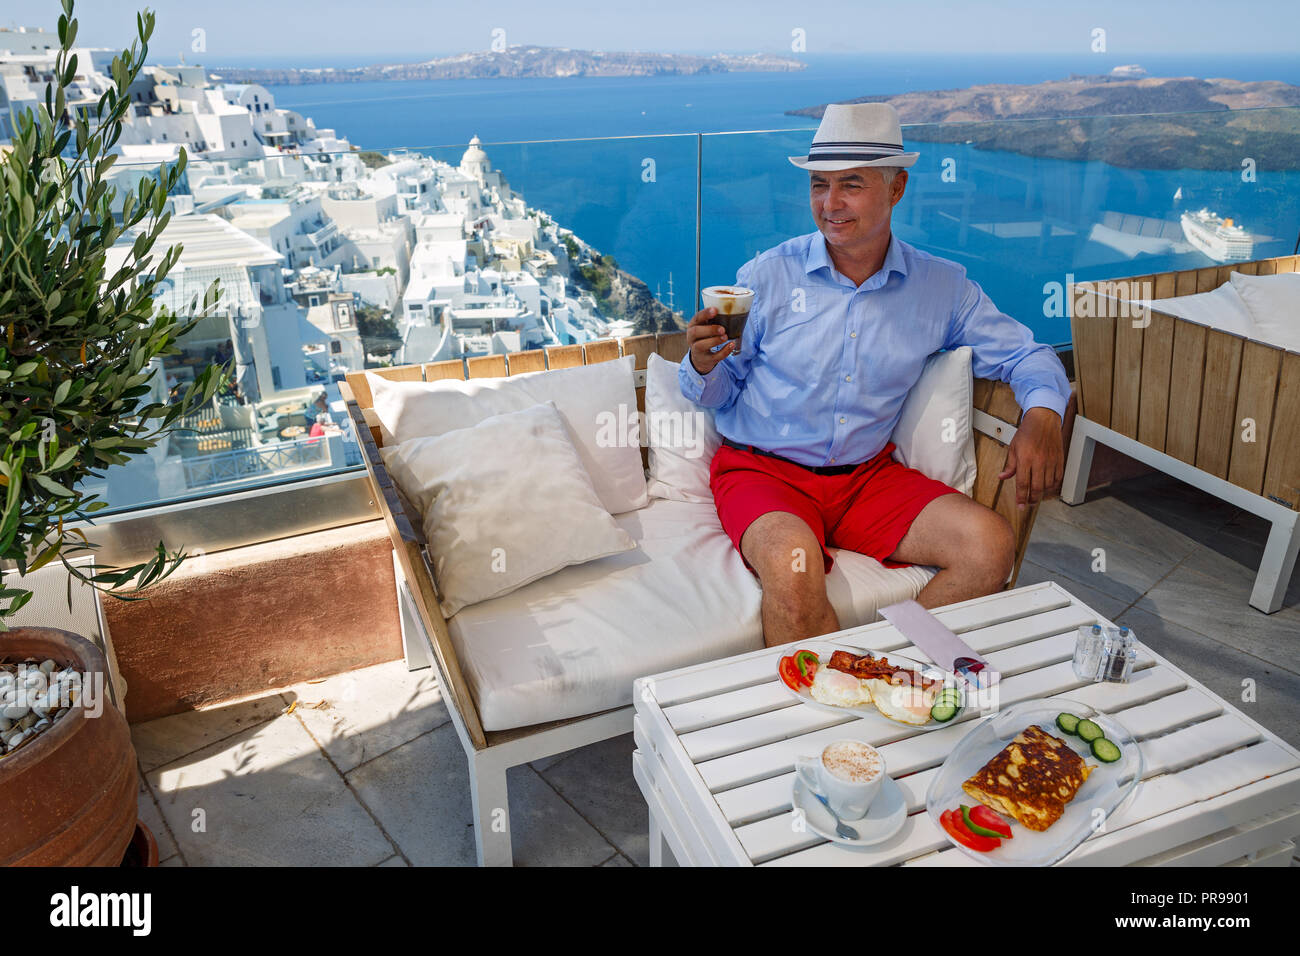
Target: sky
351, 32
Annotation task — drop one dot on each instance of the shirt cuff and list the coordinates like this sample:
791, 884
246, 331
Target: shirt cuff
692, 382
1046, 398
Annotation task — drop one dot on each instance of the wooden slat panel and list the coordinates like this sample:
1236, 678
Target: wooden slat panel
533, 360
1267, 267
1218, 402
1157, 353
1165, 283
1207, 279
1222, 274
399, 373
672, 345
438, 371
563, 356
487, 366
641, 346
407, 549
1094, 355
1248, 268
1185, 282
1186, 371
360, 388
1127, 384
1255, 396
1282, 475
602, 350
1287, 263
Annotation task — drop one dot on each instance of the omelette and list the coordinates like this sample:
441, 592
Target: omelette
1031, 779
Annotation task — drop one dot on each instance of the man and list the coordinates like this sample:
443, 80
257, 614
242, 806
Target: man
842, 323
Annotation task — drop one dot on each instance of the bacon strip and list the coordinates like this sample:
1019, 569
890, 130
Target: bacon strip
868, 667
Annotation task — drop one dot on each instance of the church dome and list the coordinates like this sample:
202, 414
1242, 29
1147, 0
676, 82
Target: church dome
475, 156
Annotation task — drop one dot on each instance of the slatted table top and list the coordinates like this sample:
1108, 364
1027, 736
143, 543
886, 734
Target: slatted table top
716, 745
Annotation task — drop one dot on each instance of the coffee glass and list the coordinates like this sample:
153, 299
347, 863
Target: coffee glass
733, 303
847, 773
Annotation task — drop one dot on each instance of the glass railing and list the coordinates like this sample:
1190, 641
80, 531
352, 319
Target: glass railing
346, 261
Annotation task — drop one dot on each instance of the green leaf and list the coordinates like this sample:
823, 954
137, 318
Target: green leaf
52, 486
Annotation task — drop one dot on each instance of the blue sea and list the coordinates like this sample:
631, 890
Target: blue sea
616, 160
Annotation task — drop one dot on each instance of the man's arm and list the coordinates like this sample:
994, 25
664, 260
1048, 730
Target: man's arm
1004, 349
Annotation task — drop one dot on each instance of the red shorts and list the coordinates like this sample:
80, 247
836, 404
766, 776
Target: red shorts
867, 510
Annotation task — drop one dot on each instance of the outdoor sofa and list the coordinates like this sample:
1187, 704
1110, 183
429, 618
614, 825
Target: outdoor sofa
549, 667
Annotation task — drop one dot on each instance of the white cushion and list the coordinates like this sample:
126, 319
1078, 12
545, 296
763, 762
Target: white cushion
1274, 304
1222, 308
491, 525
933, 434
592, 399
572, 643
681, 435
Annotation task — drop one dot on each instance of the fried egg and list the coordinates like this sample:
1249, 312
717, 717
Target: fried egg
839, 689
902, 702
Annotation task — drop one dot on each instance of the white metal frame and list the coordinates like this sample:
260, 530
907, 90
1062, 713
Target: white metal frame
488, 766
1279, 558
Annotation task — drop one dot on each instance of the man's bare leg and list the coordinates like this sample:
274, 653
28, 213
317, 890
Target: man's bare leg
973, 547
784, 551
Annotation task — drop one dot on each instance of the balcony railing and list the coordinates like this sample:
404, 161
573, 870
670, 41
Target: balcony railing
1025, 206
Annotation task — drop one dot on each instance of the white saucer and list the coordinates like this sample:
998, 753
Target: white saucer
886, 817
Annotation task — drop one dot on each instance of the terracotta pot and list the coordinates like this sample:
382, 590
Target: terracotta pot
69, 796
143, 849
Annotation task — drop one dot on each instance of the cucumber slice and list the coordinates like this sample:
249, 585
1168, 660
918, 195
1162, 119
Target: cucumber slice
943, 712
1068, 723
1105, 750
1089, 731
950, 696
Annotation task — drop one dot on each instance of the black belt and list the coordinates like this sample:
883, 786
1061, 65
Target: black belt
815, 469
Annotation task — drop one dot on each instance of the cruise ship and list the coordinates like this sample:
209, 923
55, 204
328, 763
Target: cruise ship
1218, 238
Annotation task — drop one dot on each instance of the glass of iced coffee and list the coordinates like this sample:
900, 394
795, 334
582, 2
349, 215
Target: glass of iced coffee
733, 303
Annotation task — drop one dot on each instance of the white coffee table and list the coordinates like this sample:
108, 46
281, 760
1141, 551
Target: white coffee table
716, 745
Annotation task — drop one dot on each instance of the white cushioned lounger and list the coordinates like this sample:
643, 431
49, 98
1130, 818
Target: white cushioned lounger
572, 643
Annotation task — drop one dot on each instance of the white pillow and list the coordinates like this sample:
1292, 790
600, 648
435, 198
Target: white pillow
933, 434
593, 400
681, 436
503, 503
1274, 303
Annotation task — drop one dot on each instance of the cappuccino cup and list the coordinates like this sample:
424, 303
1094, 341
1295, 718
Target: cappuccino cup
847, 773
733, 303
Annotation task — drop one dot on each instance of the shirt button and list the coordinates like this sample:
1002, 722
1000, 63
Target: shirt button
832, 460
853, 335
848, 378
841, 421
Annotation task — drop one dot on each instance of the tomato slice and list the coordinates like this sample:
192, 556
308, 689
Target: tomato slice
789, 673
952, 823
990, 820
807, 663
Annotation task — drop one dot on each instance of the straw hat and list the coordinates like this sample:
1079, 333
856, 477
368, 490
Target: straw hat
856, 134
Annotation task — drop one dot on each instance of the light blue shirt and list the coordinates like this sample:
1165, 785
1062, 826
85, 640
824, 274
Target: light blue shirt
824, 366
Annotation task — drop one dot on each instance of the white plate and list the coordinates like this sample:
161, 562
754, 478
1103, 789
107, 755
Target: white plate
886, 817
1103, 791
824, 649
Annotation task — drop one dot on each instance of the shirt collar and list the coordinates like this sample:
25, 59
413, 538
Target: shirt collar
819, 258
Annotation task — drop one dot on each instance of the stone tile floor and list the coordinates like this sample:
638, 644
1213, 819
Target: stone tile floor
364, 768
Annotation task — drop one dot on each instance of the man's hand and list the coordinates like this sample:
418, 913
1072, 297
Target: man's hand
701, 336
1036, 457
